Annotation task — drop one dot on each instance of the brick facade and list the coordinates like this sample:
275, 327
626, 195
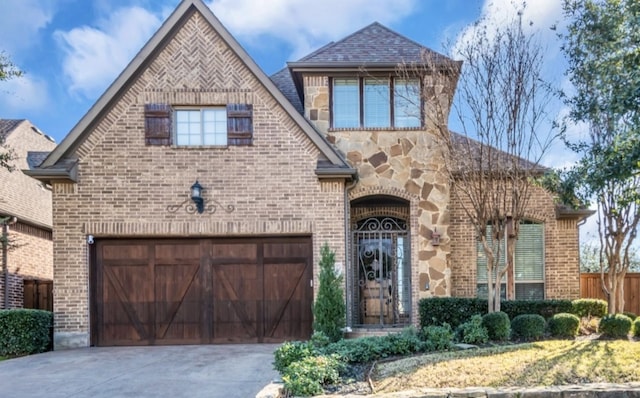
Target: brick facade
561, 241
124, 187
30, 250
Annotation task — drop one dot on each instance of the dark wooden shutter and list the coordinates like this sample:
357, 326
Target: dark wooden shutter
157, 124
240, 124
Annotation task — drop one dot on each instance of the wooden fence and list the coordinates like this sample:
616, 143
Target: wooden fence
591, 287
38, 294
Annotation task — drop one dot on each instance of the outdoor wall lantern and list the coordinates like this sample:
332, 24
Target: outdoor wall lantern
435, 237
196, 196
196, 203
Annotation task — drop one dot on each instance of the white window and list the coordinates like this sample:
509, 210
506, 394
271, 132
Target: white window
206, 126
375, 103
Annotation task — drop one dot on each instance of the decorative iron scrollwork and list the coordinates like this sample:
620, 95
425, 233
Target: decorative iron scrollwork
210, 206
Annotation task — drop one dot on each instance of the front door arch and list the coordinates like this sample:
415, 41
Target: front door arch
380, 273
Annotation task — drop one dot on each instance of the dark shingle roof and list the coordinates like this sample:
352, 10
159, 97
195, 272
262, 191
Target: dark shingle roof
35, 159
8, 125
372, 44
477, 155
283, 80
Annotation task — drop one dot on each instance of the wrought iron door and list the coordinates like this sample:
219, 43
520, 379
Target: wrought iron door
382, 272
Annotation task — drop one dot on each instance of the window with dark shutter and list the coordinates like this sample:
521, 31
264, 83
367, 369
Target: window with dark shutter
157, 124
240, 124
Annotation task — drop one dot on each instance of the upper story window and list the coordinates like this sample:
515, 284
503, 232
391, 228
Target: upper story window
370, 102
199, 126
206, 126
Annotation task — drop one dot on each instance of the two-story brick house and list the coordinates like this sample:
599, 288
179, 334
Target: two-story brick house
191, 201
25, 207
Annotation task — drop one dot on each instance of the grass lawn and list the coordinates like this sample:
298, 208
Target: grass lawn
545, 363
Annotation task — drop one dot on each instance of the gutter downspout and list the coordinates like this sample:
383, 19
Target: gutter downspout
347, 251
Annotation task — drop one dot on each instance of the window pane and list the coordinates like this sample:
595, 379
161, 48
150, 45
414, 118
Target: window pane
529, 254
482, 258
376, 103
201, 127
482, 291
346, 103
529, 291
407, 103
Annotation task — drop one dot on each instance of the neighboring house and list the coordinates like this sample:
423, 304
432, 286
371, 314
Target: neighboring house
25, 205
192, 200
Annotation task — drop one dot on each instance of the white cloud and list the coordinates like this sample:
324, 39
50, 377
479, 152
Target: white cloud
23, 95
20, 22
95, 55
303, 24
538, 17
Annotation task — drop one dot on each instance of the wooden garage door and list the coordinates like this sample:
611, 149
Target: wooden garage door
201, 291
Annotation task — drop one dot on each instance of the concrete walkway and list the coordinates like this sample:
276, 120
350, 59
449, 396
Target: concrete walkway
229, 371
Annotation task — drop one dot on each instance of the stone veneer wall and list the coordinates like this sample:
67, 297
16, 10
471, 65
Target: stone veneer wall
124, 187
562, 276
404, 163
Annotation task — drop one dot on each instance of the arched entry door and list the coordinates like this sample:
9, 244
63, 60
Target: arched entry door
381, 267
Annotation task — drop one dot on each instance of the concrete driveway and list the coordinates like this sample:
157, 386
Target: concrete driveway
230, 371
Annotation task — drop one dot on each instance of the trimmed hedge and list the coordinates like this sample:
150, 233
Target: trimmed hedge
528, 327
564, 325
636, 327
615, 326
458, 310
24, 332
586, 308
498, 326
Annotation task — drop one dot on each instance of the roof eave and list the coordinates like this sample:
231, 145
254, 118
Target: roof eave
336, 173
564, 212
54, 175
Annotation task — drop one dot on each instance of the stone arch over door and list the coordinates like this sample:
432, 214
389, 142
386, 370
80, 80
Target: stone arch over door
380, 275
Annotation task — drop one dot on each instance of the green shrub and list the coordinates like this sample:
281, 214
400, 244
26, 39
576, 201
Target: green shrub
586, 308
320, 340
454, 311
457, 310
498, 326
329, 308
545, 308
631, 315
24, 332
636, 327
290, 352
406, 342
564, 325
472, 332
308, 376
615, 326
437, 338
528, 327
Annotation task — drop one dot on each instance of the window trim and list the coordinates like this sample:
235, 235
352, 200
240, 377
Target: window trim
392, 103
201, 110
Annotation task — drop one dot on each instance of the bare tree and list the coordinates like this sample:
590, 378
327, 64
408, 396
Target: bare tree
501, 104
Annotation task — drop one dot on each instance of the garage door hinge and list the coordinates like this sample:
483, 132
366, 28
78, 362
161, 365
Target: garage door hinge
311, 283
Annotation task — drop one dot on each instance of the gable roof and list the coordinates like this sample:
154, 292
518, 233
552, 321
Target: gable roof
54, 165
